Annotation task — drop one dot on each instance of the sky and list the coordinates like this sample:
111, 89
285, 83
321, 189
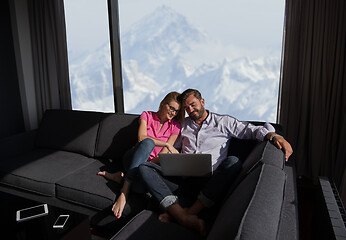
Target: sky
247, 24
232, 20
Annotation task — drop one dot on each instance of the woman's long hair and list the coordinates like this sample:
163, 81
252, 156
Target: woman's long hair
174, 96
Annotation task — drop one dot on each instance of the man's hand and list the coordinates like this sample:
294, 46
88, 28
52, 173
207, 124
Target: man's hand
281, 143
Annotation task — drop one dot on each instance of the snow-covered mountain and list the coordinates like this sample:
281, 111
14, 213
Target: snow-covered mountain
155, 60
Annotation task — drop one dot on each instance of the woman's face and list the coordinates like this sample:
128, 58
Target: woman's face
171, 109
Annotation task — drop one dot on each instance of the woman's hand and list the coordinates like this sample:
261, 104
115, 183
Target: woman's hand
171, 149
119, 205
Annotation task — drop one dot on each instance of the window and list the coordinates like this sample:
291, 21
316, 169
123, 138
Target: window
229, 50
89, 55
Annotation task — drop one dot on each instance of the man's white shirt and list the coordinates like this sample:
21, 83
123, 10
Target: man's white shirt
214, 136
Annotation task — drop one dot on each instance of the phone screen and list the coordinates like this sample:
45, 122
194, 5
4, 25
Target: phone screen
32, 211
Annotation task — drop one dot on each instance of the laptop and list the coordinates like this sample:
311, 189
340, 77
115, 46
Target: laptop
180, 164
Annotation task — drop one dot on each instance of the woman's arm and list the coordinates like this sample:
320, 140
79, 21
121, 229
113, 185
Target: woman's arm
171, 141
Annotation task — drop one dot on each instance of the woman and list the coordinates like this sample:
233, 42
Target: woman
157, 133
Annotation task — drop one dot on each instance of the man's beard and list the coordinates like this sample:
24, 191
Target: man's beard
199, 114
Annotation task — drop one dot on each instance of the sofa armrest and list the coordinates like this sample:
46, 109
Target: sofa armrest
289, 223
253, 210
17, 144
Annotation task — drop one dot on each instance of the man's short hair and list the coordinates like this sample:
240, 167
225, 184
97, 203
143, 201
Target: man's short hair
189, 92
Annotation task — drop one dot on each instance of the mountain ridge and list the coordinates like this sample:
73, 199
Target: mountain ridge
153, 66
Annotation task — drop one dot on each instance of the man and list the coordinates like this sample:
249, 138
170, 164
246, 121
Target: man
205, 132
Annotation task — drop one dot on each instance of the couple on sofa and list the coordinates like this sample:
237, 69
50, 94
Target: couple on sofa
202, 132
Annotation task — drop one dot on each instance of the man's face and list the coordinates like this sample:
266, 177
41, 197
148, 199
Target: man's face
194, 107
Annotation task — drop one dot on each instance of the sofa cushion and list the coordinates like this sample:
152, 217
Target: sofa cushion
85, 187
146, 225
68, 130
39, 170
253, 210
118, 133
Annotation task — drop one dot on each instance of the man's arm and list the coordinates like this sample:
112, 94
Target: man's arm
246, 130
280, 143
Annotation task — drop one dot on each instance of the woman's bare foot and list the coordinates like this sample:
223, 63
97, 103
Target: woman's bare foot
115, 177
119, 205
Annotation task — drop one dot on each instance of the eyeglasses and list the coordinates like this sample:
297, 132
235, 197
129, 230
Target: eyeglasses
172, 109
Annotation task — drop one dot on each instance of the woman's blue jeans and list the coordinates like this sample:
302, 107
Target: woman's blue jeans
135, 157
211, 189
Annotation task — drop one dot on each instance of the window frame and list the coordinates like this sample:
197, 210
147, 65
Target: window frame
114, 34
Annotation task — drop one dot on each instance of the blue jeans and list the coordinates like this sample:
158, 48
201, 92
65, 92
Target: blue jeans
211, 189
135, 157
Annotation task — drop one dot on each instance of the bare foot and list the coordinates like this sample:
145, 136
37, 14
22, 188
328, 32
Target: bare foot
165, 217
193, 222
115, 177
119, 205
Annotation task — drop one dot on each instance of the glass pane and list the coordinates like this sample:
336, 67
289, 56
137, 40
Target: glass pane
89, 55
229, 50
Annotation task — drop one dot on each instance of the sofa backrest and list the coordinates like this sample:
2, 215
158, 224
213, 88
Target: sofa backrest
69, 130
118, 133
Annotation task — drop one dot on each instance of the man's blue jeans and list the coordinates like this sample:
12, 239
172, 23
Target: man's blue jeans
135, 157
211, 189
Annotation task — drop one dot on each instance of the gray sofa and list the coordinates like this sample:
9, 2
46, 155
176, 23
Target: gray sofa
260, 204
58, 164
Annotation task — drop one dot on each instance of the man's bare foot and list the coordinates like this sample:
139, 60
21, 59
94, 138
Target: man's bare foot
185, 219
165, 217
189, 221
193, 222
115, 177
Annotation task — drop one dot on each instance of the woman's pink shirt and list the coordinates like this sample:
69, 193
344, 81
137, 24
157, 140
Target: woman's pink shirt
169, 128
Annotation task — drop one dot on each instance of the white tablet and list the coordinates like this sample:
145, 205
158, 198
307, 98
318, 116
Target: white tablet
32, 212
